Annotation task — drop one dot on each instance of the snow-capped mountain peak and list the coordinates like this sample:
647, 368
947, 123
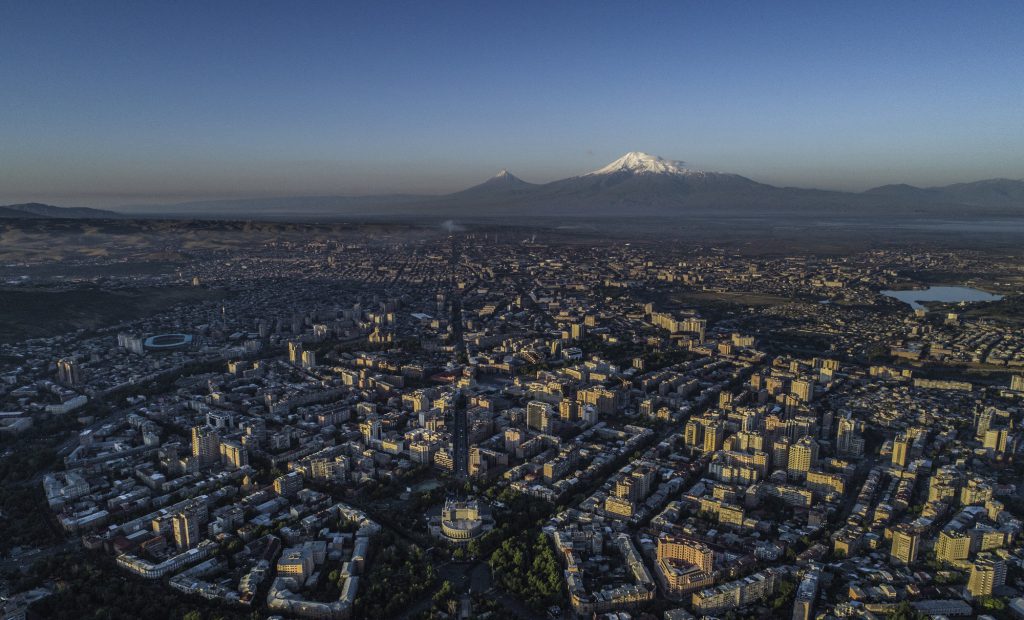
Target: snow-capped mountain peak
504, 177
636, 162
500, 184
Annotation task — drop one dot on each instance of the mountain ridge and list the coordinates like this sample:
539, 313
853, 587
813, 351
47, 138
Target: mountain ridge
636, 184
38, 210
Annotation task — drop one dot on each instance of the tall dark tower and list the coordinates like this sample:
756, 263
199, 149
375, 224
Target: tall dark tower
460, 435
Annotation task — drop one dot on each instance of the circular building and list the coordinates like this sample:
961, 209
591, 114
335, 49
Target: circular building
463, 521
167, 342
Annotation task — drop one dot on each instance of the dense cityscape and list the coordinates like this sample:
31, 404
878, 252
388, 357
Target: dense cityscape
483, 422
405, 310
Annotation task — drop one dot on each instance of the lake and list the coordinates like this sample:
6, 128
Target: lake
946, 294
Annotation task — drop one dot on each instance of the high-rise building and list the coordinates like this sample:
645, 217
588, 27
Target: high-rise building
944, 484
714, 434
982, 421
900, 450
987, 574
825, 426
686, 565
993, 507
68, 372
803, 389
780, 452
741, 592
186, 526
308, 359
1017, 383
849, 441
976, 491
905, 543
799, 426
987, 539
296, 563
803, 455
751, 421
693, 433
806, 593
695, 326
131, 343
603, 399
749, 440
513, 439
725, 399
952, 546
686, 550
538, 415
234, 454
205, 445
288, 484
589, 415
568, 410
477, 462
294, 352
371, 430
996, 440
636, 486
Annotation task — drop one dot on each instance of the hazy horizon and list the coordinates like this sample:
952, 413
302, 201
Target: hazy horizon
149, 103
115, 202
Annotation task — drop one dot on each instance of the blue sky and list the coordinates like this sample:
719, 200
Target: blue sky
108, 103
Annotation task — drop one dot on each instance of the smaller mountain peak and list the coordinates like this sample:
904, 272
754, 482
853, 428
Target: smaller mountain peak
503, 174
505, 177
504, 181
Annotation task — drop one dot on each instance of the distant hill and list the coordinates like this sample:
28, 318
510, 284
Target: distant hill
1006, 193
637, 184
40, 210
9, 213
264, 208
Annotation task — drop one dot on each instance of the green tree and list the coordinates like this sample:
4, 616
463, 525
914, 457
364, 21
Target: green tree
991, 603
783, 596
906, 611
446, 592
532, 572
